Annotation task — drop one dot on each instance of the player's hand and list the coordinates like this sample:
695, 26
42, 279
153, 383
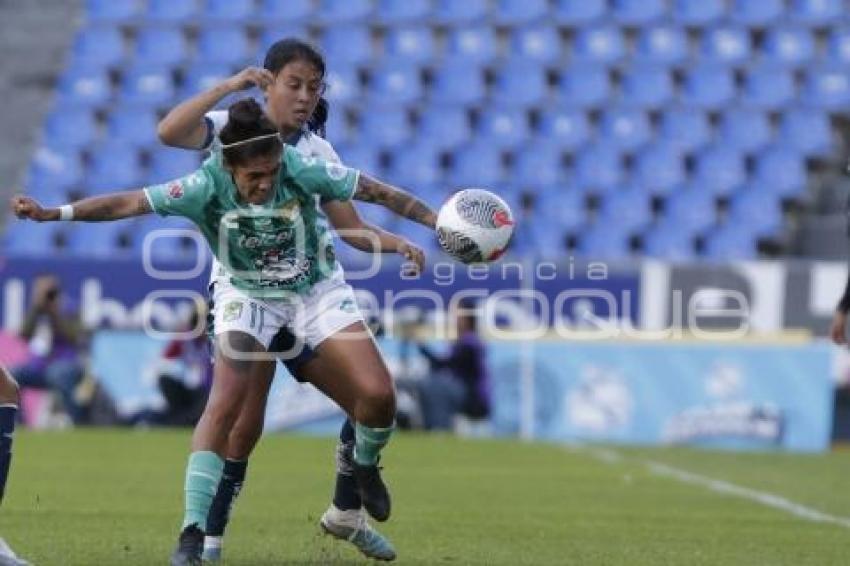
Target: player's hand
414, 255
29, 208
250, 77
838, 330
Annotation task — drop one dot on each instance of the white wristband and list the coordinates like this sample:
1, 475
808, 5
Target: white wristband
66, 212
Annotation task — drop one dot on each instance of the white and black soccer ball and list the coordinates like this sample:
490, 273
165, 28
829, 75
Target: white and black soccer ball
475, 226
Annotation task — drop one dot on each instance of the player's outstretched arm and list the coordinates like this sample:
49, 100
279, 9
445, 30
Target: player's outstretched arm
95, 209
401, 202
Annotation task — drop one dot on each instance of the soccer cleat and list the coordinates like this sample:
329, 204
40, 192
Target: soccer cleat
212, 549
8, 557
351, 525
189, 547
373, 491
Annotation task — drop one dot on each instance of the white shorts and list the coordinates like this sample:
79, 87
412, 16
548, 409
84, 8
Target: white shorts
327, 308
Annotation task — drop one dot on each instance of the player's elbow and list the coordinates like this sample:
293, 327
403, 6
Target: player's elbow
166, 133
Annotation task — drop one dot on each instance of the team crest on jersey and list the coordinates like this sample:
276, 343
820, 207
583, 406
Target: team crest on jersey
290, 210
232, 311
175, 190
336, 171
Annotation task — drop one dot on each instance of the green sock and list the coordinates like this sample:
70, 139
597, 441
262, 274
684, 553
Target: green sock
368, 443
202, 476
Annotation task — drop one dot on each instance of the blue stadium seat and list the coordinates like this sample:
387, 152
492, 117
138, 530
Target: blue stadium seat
625, 128
386, 127
638, 12
147, 86
585, 85
54, 169
816, 12
686, 128
745, 130
103, 46
161, 45
646, 86
344, 11
521, 83
603, 241
757, 208
731, 242
395, 12
222, 45
663, 44
111, 11
414, 44
538, 43
84, 86
519, 12
177, 12
564, 207
698, 13
362, 156
93, 239
228, 11
477, 165
164, 247
578, 13
565, 127
599, 168
807, 131
444, 127
416, 166
720, 170
343, 84
473, 44
628, 207
458, 83
199, 78
782, 171
756, 13
395, 83
769, 88
689, 206
660, 168
337, 128
709, 87
133, 126
70, 128
454, 13
538, 166
347, 44
272, 34
285, 12
167, 164
788, 46
827, 88
726, 45
114, 167
601, 44
669, 241
505, 127
838, 46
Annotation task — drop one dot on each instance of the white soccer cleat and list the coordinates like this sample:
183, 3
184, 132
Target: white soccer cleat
8, 556
352, 525
212, 549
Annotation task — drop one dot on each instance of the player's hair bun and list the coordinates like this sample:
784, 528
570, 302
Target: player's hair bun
246, 118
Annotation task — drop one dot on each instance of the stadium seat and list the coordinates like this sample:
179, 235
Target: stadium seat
386, 127
585, 85
93, 239
175, 12
54, 169
347, 44
698, 13
199, 78
505, 127
691, 207
686, 128
147, 86
628, 207
219, 45
133, 126
756, 13
84, 86
114, 167
660, 168
598, 168
603, 241
745, 130
601, 44
782, 171
274, 33
537, 43
838, 46
344, 11
564, 207
669, 241
477, 165
473, 44
816, 12
71, 128
161, 46
395, 12
789, 46
111, 11
565, 127
731, 242
285, 12
758, 208
662, 44
726, 45
646, 86
538, 166
228, 11
579, 13
827, 88
807, 131
362, 156
412, 44
343, 84
519, 12
520, 83
337, 128
416, 165
395, 83
163, 248
101, 46
719, 170
454, 13
458, 83
626, 129
444, 127
769, 88
638, 12
23, 238
167, 164
708, 87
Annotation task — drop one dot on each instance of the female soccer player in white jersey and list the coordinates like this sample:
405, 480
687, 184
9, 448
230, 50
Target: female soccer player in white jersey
292, 80
256, 208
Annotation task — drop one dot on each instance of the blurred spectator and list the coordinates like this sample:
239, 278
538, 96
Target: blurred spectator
56, 342
458, 383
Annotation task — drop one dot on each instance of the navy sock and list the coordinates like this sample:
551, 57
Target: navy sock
345, 494
8, 414
232, 478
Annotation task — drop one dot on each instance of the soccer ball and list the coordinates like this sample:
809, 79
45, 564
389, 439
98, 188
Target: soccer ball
475, 226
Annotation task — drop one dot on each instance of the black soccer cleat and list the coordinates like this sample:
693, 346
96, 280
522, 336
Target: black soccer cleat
190, 545
373, 491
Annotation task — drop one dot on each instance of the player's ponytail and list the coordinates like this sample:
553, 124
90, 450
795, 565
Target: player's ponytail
248, 133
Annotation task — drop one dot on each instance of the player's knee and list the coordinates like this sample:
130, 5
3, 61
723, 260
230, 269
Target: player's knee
9, 390
377, 403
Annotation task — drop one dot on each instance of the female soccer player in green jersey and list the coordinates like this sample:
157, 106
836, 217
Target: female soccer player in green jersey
256, 208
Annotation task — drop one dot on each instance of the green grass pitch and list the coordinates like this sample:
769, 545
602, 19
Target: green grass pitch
106, 497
